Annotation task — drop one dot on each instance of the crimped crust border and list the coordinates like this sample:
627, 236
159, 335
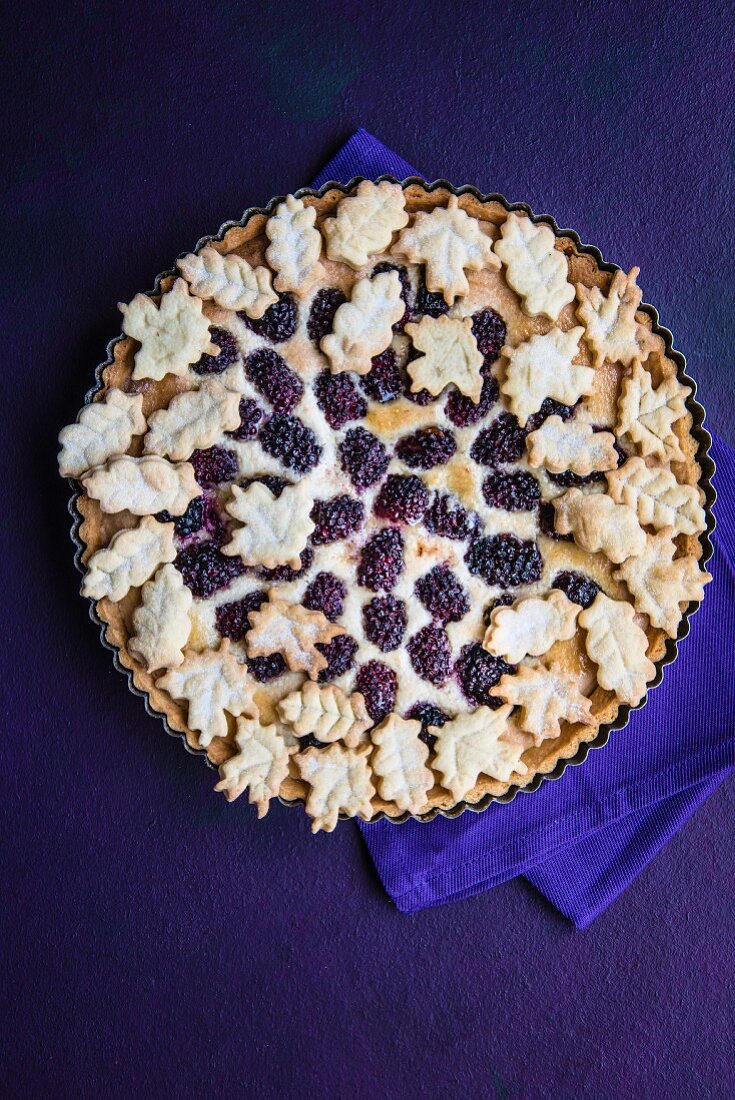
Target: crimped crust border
574, 753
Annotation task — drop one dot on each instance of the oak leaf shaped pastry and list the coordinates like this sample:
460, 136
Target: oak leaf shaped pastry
229, 281
133, 555
193, 421
542, 367
103, 428
449, 243
450, 355
646, 415
657, 497
214, 684
363, 327
161, 623
290, 629
531, 626
173, 334
326, 712
473, 744
572, 446
295, 246
545, 695
617, 645
143, 486
611, 329
660, 584
274, 529
599, 524
339, 781
400, 763
261, 765
535, 268
365, 222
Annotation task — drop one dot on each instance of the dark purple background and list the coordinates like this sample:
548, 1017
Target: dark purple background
157, 940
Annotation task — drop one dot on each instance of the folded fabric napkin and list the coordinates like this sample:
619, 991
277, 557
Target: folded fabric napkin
583, 838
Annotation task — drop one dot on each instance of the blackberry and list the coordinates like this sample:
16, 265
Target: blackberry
516, 492
446, 517
430, 653
323, 308
326, 593
546, 521
275, 484
279, 321
402, 499
428, 715
286, 438
274, 379
215, 465
266, 668
191, 521
549, 407
426, 448
463, 412
232, 618
505, 600
502, 441
228, 353
335, 519
377, 684
488, 328
384, 381
426, 302
364, 458
504, 560
576, 586
442, 595
251, 416
384, 621
337, 397
381, 560
405, 289
340, 654
477, 671
285, 572
206, 569
420, 397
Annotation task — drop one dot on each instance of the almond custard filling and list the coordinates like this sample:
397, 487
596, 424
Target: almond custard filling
390, 499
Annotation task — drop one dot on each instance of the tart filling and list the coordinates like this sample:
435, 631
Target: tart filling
390, 500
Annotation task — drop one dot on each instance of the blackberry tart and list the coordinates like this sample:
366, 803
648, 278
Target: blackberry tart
390, 499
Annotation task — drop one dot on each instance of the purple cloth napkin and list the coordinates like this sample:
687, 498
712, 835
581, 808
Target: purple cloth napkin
583, 838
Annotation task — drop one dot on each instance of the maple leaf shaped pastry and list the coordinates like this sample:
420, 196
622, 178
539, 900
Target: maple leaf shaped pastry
646, 415
535, 268
173, 334
193, 421
363, 327
473, 744
275, 529
214, 684
598, 524
657, 497
542, 367
530, 626
449, 243
326, 712
132, 556
339, 781
559, 446
161, 623
290, 629
103, 428
365, 222
545, 695
450, 355
399, 763
295, 247
143, 486
261, 765
617, 645
229, 281
660, 584
611, 329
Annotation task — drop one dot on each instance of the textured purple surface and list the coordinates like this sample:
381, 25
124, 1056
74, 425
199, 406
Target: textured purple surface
154, 938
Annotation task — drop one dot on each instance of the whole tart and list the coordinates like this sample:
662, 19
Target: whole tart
392, 499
